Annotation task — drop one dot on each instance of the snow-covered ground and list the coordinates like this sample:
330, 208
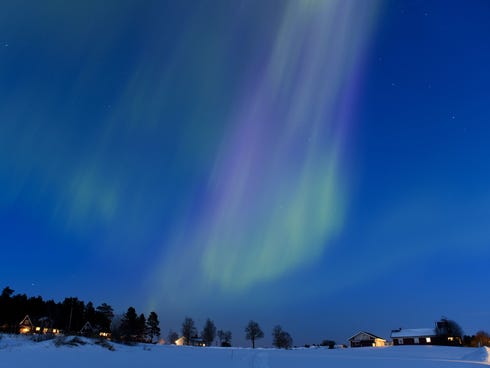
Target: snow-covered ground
21, 352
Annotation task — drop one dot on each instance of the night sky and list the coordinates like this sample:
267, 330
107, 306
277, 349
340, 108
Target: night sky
323, 165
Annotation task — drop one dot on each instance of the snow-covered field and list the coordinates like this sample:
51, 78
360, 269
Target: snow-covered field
20, 352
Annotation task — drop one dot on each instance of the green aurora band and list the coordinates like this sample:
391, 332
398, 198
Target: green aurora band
276, 195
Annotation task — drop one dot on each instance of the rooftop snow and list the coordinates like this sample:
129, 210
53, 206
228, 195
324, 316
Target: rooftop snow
413, 332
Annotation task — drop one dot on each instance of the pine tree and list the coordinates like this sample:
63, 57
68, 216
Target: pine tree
153, 326
209, 332
6, 305
89, 313
141, 328
103, 317
188, 329
130, 325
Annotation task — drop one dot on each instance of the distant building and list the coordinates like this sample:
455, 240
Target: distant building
87, 330
413, 336
443, 333
44, 326
365, 339
26, 326
105, 334
180, 341
194, 341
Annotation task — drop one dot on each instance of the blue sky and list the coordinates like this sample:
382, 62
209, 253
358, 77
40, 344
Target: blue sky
321, 165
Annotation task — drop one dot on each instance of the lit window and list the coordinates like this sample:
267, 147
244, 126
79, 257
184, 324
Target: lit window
427, 339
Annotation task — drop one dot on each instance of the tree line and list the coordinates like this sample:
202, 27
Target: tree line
72, 315
280, 338
69, 315
75, 317
481, 338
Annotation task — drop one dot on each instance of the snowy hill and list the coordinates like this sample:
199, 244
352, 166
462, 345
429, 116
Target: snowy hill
21, 352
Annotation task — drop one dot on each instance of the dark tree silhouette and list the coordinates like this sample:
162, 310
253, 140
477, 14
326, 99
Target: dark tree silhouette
141, 328
69, 315
153, 326
7, 292
130, 325
89, 313
253, 332
172, 337
481, 338
103, 317
224, 338
449, 332
209, 332
281, 339
72, 311
188, 329
6, 306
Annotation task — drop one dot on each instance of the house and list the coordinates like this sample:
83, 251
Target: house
45, 326
26, 326
445, 332
413, 336
105, 334
194, 341
180, 341
363, 339
87, 330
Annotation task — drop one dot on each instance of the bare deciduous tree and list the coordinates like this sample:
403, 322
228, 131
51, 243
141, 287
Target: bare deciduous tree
253, 332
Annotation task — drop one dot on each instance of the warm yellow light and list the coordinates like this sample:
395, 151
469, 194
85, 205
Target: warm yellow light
38, 328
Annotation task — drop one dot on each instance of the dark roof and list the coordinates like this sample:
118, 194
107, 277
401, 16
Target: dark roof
26, 321
367, 333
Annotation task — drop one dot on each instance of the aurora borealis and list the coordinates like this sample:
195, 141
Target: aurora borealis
248, 159
274, 196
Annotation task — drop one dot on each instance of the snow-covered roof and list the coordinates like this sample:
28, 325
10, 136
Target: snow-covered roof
413, 332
